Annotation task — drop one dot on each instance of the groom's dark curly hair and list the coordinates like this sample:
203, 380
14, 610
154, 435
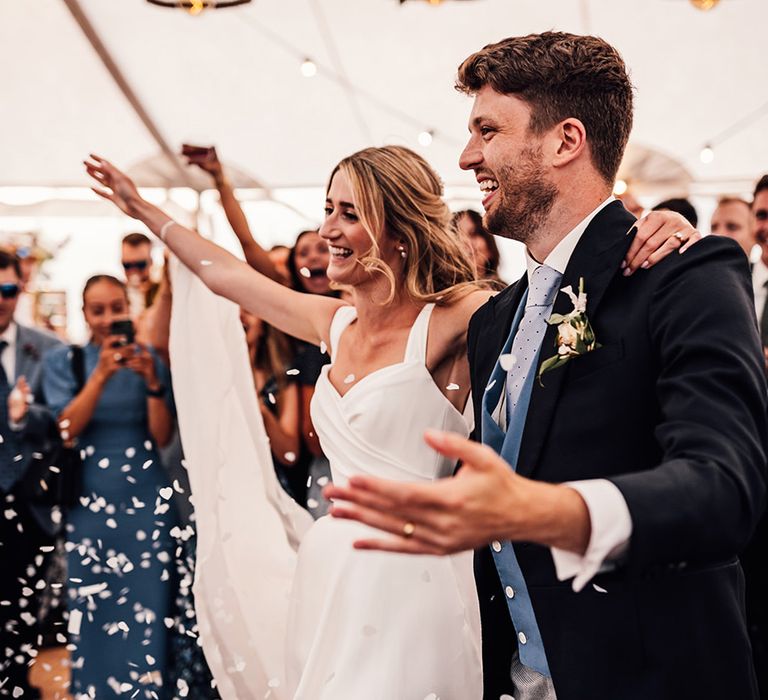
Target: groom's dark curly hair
561, 75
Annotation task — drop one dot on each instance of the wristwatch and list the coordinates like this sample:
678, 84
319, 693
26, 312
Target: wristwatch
156, 393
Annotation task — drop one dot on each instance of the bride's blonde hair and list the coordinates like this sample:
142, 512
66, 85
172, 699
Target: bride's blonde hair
398, 194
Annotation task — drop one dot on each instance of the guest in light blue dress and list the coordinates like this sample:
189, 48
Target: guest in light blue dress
120, 550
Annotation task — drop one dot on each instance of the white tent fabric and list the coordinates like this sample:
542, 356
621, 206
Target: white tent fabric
231, 77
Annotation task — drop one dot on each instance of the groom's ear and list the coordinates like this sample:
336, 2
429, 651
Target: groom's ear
569, 142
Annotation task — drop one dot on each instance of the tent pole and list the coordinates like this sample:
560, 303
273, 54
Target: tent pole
122, 83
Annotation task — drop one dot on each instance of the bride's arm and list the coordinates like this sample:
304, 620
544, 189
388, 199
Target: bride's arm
305, 316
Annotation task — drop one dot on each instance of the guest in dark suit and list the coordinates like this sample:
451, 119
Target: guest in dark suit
623, 415
24, 527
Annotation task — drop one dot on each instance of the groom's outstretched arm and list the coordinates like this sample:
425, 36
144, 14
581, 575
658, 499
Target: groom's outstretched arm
485, 501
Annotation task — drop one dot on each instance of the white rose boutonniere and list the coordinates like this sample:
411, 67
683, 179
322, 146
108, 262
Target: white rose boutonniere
574, 333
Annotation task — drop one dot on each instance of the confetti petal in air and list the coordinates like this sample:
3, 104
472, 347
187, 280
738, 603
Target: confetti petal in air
323, 348
304, 272
293, 372
507, 361
206, 263
599, 589
349, 379
290, 456
452, 387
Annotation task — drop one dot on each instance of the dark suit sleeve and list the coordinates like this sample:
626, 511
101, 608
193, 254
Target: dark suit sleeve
702, 503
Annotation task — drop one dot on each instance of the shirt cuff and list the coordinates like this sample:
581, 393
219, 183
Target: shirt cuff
611, 530
17, 427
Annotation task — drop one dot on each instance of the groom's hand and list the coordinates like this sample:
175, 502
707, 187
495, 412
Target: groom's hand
485, 501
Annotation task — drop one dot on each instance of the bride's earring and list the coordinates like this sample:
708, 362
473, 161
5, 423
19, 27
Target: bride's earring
403, 254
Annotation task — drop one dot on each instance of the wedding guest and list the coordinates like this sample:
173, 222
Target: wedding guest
682, 206
480, 244
136, 258
25, 526
733, 218
120, 547
271, 352
623, 414
755, 557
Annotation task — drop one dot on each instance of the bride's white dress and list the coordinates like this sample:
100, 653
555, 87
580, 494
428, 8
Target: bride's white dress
327, 622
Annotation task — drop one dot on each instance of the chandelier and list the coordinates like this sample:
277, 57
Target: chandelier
195, 7
704, 4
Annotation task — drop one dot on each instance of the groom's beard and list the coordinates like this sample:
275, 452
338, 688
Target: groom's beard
524, 199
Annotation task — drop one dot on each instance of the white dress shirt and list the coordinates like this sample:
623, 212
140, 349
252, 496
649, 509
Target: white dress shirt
759, 280
9, 354
611, 522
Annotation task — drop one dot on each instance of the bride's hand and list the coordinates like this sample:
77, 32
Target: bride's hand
659, 233
115, 185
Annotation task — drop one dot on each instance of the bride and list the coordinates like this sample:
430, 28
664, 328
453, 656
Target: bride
360, 624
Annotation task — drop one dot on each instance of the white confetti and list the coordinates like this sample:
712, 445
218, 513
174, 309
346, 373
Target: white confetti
272, 398
323, 347
312, 503
322, 481
304, 272
507, 362
17, 692
206, 263
599, 589
148, 445
452, 387
151, 660
104, 463
166, 492
111, 523
349, 379
293, 372
83, 591
147, 464
130, 452
490, 386
64, 424
290, 456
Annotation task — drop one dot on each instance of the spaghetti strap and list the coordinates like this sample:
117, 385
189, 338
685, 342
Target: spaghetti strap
416, 349
341, 319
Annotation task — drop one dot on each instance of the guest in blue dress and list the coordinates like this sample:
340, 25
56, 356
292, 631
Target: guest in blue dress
120, 550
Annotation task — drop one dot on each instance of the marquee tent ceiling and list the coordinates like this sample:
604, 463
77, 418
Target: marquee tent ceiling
231, 77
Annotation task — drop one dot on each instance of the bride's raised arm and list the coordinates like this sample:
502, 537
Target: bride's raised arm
305, 316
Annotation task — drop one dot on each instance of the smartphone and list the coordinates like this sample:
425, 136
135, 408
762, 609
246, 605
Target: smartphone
125, 329
191, 151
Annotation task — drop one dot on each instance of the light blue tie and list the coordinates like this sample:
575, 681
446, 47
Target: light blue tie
524, 349
542, 290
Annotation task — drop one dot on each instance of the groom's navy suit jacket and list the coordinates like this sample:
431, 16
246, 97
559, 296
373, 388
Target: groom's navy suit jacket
672, 409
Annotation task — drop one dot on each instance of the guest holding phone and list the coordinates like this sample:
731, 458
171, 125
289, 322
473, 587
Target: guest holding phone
119, 542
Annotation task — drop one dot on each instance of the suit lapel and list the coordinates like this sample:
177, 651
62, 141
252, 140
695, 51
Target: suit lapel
596, 259
494, 334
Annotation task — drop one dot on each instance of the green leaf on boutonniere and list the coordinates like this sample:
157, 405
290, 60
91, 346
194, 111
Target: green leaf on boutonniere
550, 364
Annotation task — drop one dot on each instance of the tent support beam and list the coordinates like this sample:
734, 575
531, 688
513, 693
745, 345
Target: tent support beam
117, 75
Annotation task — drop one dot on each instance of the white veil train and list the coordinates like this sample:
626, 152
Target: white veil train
248, 528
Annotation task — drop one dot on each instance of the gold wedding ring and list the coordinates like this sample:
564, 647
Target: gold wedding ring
408, 530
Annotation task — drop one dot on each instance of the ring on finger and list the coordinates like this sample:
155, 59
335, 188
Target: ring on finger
408, 529
680, 236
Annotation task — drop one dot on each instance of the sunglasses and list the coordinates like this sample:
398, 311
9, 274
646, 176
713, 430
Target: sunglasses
9, 291
138, 265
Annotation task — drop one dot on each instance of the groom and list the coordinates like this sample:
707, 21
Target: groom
623, 416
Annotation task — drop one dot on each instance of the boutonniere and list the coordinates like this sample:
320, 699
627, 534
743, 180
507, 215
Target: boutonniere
574, 333
31, 351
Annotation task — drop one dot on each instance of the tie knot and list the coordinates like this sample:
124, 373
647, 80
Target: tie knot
542, 287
